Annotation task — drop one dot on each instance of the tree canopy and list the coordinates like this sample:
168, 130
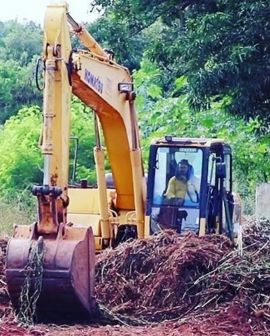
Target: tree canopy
161, 115
20, 45
221, 46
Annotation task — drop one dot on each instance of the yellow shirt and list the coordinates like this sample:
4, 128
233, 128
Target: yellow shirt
176, 188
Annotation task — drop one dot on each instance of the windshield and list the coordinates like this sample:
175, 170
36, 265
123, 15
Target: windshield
176, 193
186, 162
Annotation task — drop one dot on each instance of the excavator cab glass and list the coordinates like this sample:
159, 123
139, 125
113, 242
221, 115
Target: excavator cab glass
176, 188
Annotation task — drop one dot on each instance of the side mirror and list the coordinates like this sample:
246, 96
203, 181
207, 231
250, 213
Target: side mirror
221, 170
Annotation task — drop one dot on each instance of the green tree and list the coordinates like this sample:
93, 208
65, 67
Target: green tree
21, 163
17, 88
20, 41
225, 52
221, 46
142, 14
162, 116
114, 34
20, 45
19, 152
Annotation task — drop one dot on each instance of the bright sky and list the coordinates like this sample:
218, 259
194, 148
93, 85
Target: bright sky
34, 10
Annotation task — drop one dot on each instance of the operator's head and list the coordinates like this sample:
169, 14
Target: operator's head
182, 169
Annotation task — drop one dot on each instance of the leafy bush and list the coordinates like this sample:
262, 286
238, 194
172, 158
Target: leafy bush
20, 156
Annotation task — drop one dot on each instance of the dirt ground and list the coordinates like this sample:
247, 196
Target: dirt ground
172, 285
230, 321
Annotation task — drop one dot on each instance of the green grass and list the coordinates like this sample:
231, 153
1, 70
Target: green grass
14, 213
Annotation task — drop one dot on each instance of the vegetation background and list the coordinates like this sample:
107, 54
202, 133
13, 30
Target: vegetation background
201, 69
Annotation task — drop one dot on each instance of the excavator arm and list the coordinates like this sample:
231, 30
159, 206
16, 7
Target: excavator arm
52, 195
68, 249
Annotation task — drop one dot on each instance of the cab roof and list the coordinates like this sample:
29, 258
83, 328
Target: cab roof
198, 142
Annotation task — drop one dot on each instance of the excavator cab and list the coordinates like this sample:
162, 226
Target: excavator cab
190, 187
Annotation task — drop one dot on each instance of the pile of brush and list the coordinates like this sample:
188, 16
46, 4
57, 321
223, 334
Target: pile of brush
154, 279
169, 276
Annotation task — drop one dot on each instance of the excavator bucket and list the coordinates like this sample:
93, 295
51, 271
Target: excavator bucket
64, 278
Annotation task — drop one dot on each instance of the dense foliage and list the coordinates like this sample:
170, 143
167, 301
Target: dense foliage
19, 151
113, 35
82, 128
161, 115
20, 45
199, 68
221, 46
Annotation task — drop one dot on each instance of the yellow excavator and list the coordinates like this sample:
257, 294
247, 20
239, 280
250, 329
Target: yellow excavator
75, 222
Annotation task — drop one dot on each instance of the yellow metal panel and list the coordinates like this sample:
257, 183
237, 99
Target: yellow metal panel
96, 83
85, 220
83, 201
21, 231
74, 233
103, 78
147, 227
98, 244
202, 229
